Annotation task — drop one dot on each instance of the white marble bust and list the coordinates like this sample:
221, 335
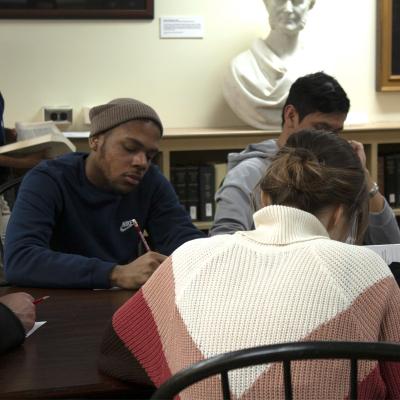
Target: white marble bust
258, 80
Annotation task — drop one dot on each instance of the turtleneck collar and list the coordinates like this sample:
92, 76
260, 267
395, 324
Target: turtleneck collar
281, 225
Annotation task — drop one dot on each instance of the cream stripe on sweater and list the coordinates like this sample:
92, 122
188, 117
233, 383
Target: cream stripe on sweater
275, 284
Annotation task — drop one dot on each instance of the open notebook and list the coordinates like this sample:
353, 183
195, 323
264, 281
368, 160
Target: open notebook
37, 136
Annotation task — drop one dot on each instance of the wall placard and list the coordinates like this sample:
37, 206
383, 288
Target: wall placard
138, 9
182, 27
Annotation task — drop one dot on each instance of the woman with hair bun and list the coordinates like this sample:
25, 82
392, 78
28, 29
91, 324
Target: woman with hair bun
293, 278
319, 173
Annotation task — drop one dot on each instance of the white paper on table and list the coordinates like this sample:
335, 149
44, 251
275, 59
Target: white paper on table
389, 252
37, 325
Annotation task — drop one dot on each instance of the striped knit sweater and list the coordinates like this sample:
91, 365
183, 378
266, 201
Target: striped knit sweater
285, 281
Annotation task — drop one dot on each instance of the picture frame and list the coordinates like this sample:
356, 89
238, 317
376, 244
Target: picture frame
388, 46
77, 9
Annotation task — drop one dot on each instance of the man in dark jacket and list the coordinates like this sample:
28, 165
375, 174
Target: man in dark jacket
17, 316
67, 228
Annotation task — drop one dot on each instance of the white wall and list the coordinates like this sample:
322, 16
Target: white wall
84, 63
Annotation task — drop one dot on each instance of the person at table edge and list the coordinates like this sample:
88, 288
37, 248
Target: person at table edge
65, 228
17, 316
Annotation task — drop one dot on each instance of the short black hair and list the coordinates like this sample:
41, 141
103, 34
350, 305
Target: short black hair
318, 92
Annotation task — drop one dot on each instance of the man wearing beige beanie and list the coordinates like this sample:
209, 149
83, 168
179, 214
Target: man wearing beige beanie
68, 226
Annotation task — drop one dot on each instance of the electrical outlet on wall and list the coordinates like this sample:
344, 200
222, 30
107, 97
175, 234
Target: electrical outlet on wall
60, 115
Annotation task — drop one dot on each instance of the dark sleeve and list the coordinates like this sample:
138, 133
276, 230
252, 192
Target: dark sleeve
169, 225
29, 259
116, 360
12, 332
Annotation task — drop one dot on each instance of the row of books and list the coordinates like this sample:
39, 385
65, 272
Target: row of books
196, 185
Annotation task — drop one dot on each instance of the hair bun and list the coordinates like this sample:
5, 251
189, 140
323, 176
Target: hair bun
317, 169
303, 154
303, 169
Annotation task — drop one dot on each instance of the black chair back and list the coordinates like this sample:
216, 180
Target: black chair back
284, 353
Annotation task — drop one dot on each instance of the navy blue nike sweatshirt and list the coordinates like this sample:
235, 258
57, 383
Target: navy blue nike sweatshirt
65, 232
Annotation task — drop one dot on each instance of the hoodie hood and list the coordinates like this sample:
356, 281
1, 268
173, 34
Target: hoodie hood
263, 151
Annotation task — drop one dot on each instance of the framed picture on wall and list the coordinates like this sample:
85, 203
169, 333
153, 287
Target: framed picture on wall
388, 46
143, 9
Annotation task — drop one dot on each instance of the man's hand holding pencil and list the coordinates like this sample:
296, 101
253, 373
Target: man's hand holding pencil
136, 273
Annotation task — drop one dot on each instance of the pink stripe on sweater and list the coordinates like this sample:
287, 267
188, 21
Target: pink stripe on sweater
135, 326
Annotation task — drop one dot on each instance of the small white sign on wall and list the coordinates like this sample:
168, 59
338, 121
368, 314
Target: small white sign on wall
182, 27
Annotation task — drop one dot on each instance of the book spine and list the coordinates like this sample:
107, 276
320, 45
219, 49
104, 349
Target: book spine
390, 179
381, 174
192, 191
220, 173
178, 180
397, 178
206, 192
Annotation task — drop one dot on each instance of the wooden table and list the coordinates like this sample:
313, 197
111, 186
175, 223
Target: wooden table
59, 360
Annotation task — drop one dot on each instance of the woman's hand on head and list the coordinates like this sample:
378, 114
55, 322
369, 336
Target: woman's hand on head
359, 150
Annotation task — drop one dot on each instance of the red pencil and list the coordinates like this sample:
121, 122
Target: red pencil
40, 299
137, 227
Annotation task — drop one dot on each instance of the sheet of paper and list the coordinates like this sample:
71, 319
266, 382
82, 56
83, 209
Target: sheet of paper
389, 252
37, 325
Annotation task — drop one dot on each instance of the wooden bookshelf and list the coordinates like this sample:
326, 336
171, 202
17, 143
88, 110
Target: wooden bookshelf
208, 140
189, 140
213, 145
206, 225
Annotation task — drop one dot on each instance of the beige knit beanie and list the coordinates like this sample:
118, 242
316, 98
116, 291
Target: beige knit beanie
118, 111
